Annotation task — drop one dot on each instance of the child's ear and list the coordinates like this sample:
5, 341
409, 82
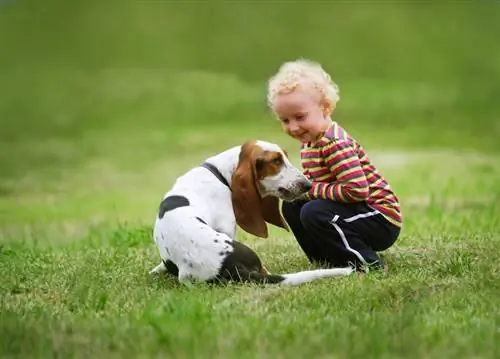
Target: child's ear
327, 108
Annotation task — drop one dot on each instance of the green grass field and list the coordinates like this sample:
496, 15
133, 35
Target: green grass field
104, 104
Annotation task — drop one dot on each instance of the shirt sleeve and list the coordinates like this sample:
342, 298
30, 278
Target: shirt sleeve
351, 184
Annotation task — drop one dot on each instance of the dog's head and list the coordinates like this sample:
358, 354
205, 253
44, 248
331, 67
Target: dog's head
264, 174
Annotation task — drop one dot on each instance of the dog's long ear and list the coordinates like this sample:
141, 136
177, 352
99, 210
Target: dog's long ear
270, 209
271, 212
247, 202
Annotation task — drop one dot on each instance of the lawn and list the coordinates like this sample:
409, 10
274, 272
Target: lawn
103, 105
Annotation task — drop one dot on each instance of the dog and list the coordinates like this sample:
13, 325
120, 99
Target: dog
198, 217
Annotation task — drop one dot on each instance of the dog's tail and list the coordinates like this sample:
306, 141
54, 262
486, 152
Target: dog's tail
310, 275
294, 278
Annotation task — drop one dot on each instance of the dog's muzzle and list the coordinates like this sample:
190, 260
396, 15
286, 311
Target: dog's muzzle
296, 190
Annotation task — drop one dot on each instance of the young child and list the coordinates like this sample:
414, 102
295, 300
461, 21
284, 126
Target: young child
351, 212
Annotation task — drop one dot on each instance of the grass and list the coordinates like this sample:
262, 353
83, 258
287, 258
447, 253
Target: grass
102, 108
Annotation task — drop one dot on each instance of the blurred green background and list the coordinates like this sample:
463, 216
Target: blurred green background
131, 82
104, 103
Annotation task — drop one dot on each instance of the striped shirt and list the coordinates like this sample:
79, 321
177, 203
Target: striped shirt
341, 171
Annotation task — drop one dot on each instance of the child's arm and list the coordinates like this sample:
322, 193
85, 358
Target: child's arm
351, 185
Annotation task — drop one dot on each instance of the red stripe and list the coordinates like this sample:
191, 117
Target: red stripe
333, 161
307, 164
330, 148
355, 174
310, 154
318, 173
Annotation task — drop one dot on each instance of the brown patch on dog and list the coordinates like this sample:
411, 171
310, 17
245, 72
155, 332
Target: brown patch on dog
250, 209
270, 164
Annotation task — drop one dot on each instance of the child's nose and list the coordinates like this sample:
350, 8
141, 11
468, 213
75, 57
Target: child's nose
292, 127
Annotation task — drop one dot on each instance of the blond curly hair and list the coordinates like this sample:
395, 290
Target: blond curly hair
306, 74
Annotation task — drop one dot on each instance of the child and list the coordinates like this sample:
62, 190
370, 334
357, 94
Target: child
351, 212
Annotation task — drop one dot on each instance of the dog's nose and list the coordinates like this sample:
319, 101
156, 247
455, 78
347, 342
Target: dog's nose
307, 185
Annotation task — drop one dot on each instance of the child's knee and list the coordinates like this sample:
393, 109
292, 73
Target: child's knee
311, 214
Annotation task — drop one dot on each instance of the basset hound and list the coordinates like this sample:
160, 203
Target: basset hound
198, 217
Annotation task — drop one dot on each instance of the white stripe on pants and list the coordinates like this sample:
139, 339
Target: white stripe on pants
342, 235
361, 215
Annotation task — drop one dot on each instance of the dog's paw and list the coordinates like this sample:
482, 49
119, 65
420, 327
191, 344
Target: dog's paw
159, 269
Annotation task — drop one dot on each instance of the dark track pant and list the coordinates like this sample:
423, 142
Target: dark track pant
338, 234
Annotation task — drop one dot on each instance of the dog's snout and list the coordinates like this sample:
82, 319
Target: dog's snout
283, 191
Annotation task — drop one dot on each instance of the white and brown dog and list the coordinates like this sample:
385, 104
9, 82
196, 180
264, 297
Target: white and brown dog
197, 219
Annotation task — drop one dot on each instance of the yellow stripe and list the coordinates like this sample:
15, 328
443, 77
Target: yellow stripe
376, 192
344, 161
377, 182
340, 194
355, 193
337, 153
349, 171
325, 189
392, 220
327, 176
316, 191
313, 169
370, 176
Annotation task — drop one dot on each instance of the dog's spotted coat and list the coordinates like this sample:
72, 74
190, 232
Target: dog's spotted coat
198, 217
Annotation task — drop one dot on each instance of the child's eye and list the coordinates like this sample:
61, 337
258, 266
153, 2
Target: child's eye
300, 117
285, 121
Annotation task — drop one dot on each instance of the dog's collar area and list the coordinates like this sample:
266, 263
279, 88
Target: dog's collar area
215, 171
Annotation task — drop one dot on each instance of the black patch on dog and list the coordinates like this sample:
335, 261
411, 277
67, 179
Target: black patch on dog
170, 203
201, 220
243, 265
172, 269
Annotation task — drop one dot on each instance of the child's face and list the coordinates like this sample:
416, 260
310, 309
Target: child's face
301, 114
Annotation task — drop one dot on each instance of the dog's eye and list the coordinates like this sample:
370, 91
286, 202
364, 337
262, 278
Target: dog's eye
278, 161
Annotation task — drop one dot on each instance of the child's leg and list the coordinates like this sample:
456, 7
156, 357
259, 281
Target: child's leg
312, 245
351, 232
312, 249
